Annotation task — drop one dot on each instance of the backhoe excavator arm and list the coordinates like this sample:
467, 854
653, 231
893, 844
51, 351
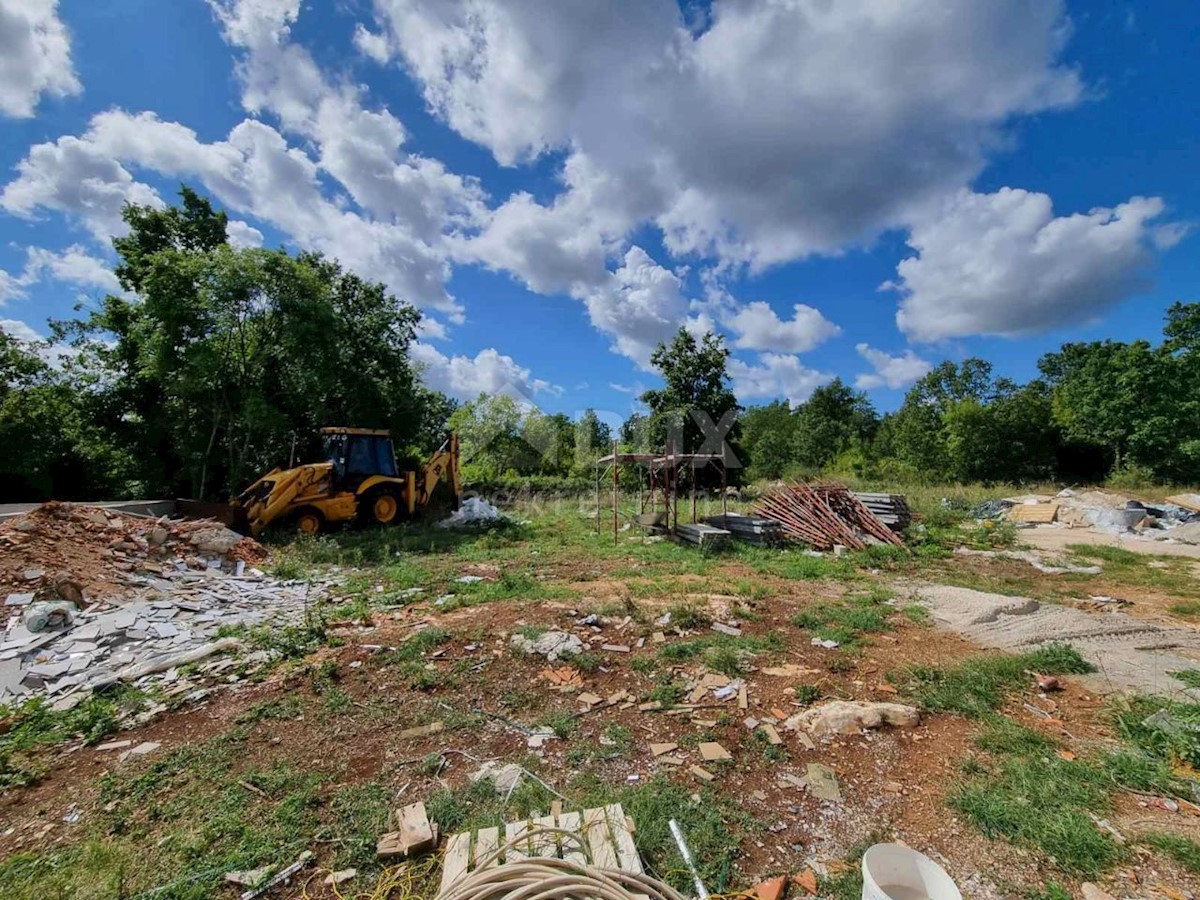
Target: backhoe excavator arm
443, 464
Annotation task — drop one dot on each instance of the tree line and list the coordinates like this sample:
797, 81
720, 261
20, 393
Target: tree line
217, 363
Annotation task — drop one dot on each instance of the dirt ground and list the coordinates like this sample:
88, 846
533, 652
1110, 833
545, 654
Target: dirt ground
339, 711
1057, 539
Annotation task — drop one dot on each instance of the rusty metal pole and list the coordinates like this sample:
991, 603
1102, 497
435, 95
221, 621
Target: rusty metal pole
693, 477
616, 476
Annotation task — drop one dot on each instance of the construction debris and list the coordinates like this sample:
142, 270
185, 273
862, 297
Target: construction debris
824, 517
475, 512
553, 645
890, 509
822, 783
852, 717
753, 530
711, 751
414, 834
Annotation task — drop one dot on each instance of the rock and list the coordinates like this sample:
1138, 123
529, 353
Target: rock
248, 877
158, 536
214, 539
553, 645
852, 717
1093, 892
141, 749
822, 783
503, 777
340, 877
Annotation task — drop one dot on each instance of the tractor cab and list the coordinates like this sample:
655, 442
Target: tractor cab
357, 454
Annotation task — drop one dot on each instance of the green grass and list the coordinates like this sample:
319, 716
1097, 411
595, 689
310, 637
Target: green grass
1166, 730
978, 685
687, 615
847, 621
1189, 609
1190, 677
34, 724
1032, 797
1184, 851
720, 652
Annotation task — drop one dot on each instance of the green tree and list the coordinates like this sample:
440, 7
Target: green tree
696, 407
227, 357
593, 439
835, 418
769, 439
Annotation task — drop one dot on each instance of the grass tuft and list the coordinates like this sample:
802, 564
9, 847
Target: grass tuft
978, 685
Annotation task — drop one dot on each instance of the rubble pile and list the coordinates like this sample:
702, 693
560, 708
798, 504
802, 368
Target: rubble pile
102, 598
63, 550
1108, 512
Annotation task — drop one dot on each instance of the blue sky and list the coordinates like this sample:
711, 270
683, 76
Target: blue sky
559, 187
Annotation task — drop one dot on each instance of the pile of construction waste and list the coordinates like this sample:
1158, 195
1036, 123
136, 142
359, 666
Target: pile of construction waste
1176, 519
825, 516
95, 598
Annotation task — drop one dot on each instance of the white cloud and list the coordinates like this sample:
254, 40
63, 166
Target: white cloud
430, 329
776, 375
35, 56
893, 371
371, 45
639, 306
20, 330
72, 266
488, 372
783, 128
761, 329
243, 234
1003, 264
78, 179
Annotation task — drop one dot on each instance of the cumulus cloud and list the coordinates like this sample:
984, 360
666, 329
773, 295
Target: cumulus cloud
74, 266
1004, 264
35, 56
776, 375
893, 371
243, 234
488, 372
759, 328
779, 130
640, 305
78, 179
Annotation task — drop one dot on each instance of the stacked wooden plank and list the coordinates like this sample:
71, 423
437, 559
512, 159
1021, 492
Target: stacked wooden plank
751, 529
890, 509
601, 837
824, 516
703, 535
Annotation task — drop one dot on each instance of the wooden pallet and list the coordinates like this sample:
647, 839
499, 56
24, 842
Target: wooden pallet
604, 831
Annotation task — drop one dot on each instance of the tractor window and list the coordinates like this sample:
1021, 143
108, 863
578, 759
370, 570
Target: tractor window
384, 459
360, 458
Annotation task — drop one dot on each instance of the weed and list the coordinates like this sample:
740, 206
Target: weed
807, 693
689, 616
1051, 890
519, 698
668, 691
586, 661
916, 613
562, 723
1190, 677
683, 651
531, 632
1168, 730
643, 665
619, 737
1184, 851
1187, 608
337, 701
978, 685
288, 707
839, 664
420, 643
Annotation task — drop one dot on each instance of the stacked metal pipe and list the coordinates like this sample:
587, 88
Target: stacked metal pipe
824, 516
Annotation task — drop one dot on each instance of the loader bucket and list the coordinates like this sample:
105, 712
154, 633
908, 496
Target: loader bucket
226, 513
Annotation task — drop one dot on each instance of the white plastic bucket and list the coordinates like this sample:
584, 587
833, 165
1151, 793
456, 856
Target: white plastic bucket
895, 872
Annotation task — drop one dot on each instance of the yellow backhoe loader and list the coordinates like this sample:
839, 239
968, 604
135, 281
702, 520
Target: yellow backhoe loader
358, 481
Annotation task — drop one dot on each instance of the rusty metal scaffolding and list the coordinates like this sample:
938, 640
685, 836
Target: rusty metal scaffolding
659, 474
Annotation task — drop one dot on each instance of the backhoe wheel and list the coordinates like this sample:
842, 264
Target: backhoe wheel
383, 507
309, 521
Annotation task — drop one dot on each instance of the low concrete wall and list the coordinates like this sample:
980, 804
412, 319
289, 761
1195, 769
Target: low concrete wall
152, 508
